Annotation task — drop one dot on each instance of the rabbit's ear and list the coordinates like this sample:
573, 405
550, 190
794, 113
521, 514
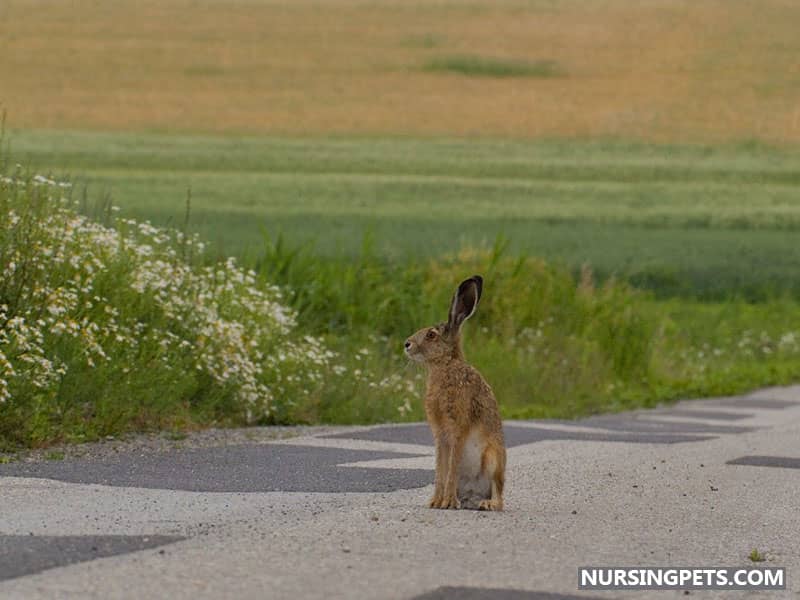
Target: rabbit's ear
464, 303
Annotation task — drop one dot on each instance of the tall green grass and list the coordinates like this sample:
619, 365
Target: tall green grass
552, 343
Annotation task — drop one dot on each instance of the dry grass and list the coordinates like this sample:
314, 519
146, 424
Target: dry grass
677, 70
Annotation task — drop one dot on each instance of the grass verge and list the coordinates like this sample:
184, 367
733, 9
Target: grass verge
110, 327
552, 344
114, 325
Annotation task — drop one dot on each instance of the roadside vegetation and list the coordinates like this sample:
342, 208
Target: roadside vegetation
553, 342
109, 324
110, 327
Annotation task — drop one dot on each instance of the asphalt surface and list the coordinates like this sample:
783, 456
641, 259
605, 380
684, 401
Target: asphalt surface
340, 512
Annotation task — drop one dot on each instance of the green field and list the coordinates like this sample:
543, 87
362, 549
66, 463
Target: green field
705, 222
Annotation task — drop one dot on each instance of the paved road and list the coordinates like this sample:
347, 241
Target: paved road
340, 513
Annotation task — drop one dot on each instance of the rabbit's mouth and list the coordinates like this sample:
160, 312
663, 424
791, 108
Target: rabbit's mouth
412, 352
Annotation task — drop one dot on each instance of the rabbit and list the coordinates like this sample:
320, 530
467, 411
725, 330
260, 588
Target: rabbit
462, 412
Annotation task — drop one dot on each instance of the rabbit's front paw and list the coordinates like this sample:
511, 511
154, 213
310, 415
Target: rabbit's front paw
435, 501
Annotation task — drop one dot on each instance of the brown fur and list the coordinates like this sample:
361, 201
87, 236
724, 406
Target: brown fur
459, 404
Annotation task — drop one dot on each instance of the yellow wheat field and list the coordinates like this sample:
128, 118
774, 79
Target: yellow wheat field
661, 70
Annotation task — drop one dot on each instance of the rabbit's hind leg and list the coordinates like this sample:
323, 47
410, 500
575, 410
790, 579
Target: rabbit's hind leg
493, 462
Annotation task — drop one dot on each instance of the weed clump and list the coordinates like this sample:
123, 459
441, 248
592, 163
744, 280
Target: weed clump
482, 66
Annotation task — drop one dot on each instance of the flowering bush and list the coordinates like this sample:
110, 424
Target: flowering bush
89, 310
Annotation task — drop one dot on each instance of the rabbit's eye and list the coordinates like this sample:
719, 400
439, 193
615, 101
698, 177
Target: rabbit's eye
430, 335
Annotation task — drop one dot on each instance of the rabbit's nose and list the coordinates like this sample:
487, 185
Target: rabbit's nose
408, 344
